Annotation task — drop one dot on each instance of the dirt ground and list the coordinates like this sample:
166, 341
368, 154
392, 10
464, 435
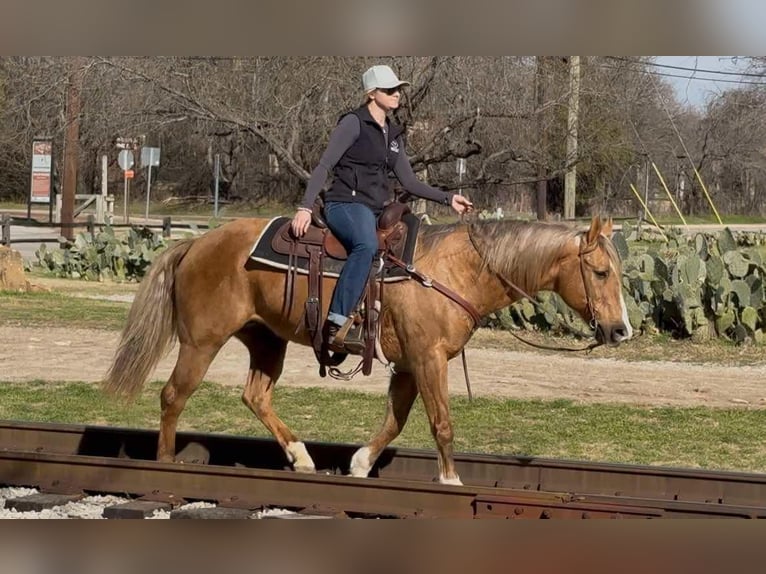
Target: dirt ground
81, 354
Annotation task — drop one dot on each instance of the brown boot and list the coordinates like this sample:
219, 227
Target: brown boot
346, 339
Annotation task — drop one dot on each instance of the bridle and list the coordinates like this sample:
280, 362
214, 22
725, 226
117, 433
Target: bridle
585, 249
589, 300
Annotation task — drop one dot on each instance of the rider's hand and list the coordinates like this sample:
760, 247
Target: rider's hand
461, 204
300, 223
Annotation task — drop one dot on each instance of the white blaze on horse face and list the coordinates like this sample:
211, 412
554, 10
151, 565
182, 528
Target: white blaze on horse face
360, 463
299, 457
625, 318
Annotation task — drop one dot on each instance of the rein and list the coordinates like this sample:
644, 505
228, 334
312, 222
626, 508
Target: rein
428, 282
588, 348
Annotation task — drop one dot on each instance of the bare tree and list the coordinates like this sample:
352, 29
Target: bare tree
269, 119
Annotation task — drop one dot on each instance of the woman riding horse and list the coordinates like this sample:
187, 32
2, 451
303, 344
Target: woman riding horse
486, 263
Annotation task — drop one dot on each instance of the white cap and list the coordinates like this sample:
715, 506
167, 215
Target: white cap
380, 77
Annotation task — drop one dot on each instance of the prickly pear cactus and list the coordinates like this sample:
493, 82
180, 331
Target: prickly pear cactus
707, 280
687, 286
104, 255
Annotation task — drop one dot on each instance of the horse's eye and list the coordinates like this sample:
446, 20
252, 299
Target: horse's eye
601, 274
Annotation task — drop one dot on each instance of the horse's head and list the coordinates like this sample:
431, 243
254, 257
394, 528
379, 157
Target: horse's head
591, 283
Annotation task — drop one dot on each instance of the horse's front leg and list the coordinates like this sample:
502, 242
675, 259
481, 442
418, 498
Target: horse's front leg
430, 373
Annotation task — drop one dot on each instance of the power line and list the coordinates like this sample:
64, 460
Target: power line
688, 69
692, 78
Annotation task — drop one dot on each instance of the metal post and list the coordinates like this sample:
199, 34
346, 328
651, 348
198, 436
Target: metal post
101, 203
52, 201
90, 225
148, 188
6, 235
125, 214
217, 172
166, 227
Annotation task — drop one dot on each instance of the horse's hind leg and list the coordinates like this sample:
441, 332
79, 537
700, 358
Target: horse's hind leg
401, 395
191, 366
267, 357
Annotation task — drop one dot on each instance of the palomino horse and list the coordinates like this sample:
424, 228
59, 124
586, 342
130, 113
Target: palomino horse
205, 290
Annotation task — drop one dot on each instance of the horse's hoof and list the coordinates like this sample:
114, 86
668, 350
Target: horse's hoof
360, 463
304, 469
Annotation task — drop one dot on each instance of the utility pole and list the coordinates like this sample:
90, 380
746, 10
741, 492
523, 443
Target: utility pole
71, 145
542, 176
570, 180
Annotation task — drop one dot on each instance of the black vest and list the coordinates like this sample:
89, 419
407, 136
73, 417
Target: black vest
361, 174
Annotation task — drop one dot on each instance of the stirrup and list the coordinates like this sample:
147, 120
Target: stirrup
347, 339
336, 359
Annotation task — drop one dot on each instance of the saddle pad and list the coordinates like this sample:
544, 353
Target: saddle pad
263, 253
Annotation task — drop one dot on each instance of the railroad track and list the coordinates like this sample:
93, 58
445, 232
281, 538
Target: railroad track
242, 475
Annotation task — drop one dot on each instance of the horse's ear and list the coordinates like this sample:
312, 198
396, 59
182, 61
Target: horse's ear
594, 229
606, 229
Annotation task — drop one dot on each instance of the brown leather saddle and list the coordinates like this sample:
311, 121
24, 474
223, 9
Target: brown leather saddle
391, 234
319, 243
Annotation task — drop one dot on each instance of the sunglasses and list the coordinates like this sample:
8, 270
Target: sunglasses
390, 91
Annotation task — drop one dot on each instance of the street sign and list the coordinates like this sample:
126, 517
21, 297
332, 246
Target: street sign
125, 159
150, 156
42, 168
129, 173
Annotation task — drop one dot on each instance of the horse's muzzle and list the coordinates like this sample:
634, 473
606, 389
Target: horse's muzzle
613, 335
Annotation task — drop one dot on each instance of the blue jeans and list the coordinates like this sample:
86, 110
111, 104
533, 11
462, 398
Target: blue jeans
354, 224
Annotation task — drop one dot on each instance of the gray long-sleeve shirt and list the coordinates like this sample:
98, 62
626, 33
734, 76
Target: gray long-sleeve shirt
342, 138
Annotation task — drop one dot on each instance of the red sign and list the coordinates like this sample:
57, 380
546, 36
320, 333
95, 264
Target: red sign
129, 173
41, 187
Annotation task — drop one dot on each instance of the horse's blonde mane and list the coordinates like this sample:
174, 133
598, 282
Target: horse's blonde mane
516, 250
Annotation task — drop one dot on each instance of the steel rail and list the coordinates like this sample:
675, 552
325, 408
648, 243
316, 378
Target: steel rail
250, 473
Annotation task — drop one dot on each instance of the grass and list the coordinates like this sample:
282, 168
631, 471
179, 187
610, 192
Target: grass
58, 310
708, 219
733, 438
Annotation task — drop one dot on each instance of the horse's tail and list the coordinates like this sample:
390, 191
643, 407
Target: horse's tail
150, 328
